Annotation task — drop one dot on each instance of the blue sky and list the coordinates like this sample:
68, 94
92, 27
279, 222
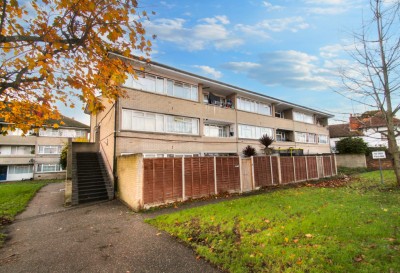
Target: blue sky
289, 49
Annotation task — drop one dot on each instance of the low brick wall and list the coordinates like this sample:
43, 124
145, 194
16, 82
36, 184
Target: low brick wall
373, 164
351, 160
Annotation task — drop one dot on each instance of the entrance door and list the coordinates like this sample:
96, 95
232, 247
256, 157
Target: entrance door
3, 173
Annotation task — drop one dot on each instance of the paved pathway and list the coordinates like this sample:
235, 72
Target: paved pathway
105, 237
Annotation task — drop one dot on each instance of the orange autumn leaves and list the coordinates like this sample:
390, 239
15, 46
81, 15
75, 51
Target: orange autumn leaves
57, 51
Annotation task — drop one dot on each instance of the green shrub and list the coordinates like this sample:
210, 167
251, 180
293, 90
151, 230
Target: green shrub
63, 157
352, 145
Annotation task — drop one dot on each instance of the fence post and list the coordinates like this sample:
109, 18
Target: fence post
334, 157
306, 167
240, 175
279, 170
272, 172
183, 179
253, 180
294, 170
330, 157
215, 175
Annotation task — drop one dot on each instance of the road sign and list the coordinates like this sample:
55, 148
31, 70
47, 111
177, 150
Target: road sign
378, 154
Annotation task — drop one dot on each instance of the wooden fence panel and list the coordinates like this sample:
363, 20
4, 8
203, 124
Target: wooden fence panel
228, 174
327, 166
262, 171
301, 168
162, 180
287, 170
199, 176
312, 167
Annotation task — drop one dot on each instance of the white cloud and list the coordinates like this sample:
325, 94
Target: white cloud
271, 7
241, 66
332, 7
165, 4
217, 19
209, 71
289, 23
330, 51
252, 31
209, 32
262, 28
290, 68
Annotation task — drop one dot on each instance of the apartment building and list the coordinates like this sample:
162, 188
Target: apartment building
37, 155
169, 112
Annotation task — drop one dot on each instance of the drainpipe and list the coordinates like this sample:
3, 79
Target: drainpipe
116, 111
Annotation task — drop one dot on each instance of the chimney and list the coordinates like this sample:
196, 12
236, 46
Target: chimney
354, 123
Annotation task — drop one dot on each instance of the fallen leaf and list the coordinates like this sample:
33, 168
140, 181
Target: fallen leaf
158, 234
295, 241
309, 235
359, 258
267, 221
286, 240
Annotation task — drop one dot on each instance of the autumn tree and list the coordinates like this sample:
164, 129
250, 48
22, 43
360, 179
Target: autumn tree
374, 80
58, 50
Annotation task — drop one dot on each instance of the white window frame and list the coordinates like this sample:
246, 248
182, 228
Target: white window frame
41, 166
281, 135
253, 106
12, 169
254, 132
46, 149
303, 117
159, 123
223, 130
163, 86
321, 139
304, 137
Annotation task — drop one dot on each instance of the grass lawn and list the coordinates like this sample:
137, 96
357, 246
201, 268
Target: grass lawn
349, 229
14, 197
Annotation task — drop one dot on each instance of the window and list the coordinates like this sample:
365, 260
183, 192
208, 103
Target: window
49, 132
305, 137
322, 139
214, 130
48, 168
254, 106
280, 136
300, 137
62, 133
254, 132
302, 117
19, 169
19, 132
312, 138
50, 149
20, 150
156, 84
279, 115
151, 122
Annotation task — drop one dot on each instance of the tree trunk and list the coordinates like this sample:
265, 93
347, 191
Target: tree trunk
393, 148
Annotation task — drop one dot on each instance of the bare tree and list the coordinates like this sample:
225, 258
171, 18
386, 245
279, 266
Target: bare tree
375, 78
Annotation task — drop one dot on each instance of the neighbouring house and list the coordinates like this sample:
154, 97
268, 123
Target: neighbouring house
168, 112
370, 126
37, 154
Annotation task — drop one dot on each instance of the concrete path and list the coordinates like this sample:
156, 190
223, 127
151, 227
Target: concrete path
105, 237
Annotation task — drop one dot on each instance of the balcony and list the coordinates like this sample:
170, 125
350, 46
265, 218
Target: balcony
218, 100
